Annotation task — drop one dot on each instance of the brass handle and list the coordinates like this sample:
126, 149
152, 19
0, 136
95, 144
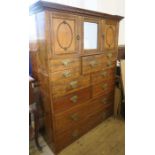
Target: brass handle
75, 134
66, 62
109, 63
109, 55
67, 74
74, 98
78, 37
74, 84
104, 86
104, 100
93, 63
74, 117
103, 73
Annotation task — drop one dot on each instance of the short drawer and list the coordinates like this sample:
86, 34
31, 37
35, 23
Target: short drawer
101, 102
111, 55
103, 87
71, 118
71, 100
60, 64
108, 73
63, 88
93, 63
62, 76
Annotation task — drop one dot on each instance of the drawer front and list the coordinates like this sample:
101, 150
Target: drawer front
70, 86
62, 76
62, 64
73, 99
103, 75
93, 63
100, 116
111, 55
103, 87
101, 103
76, 132
71, 118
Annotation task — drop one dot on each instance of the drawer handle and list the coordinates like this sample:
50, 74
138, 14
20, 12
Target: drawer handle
78, 37
109, 63
75, 134
74, 84
104, 86
67, 74
66, 62
104, 101
74, 98
109, 55
103, 73
93, 63
74, 117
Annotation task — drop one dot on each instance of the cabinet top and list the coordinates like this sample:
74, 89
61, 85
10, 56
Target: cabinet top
44, 5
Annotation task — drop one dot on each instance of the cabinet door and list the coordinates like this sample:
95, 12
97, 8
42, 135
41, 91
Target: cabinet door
110, 34
64, 33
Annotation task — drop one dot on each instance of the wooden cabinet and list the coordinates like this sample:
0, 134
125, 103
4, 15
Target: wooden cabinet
76, 58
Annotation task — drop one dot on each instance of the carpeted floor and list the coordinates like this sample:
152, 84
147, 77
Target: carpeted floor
108, 138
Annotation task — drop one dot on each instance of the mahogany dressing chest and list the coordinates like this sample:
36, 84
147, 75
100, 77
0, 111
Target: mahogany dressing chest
73, 53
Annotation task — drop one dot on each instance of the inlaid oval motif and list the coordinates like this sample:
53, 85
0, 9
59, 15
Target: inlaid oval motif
64, 35
110, 36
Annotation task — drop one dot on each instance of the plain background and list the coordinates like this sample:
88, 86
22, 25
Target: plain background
140, 77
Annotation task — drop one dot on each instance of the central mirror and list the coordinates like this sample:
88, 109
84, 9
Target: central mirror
90, 35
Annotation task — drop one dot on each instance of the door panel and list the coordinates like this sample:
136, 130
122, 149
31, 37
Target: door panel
64, 32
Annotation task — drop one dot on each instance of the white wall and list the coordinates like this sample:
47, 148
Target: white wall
115, 7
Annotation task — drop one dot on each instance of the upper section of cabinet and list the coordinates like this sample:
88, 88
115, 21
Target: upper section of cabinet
43, 5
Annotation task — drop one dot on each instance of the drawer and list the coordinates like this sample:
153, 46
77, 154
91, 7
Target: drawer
99, 116
61, 76
63, 88
104, 74
93, 63
65, 63
101, 102
69, 136
103, 87
111, 55
71, 118
71, 100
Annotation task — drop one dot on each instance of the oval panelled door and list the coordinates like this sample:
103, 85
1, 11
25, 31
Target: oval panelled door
64, 32
110, 37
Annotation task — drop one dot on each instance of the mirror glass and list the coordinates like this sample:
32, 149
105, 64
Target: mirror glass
90, 35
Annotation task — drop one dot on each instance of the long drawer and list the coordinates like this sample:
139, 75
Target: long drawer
93, 63
108, 73
67, 137
63, 88
71, 100
59, 64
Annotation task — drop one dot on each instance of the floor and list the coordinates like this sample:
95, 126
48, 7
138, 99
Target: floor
108, 138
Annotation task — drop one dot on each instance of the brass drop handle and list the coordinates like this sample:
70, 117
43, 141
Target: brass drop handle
74, 98
74, 117
66, 62
104, 101
75, 134
109, 55
93, 63
109, 63
74, 84
67, 74
78, 37
104, 86
103, 73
